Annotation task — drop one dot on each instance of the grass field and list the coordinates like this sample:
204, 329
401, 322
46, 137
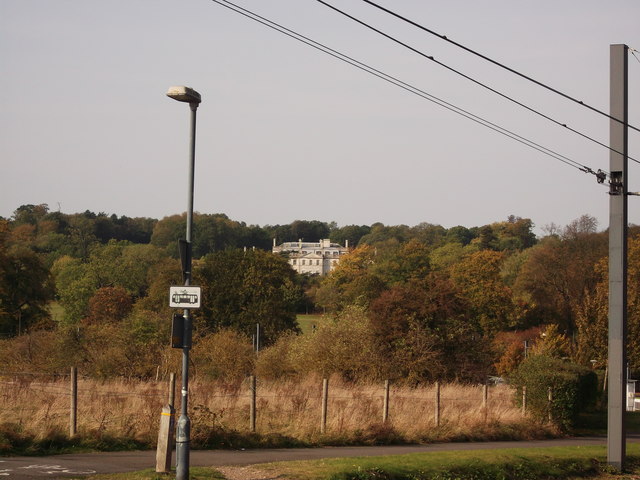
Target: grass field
307, 322
57, 311
119, 414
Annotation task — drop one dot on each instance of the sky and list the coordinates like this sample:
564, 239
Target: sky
286, 132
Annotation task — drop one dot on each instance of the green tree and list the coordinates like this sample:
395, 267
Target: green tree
429, 234
381, 234
403, 263
167, 232
26, 288
75, 285
245, 288
82, 234
349, 233
116, 264
30, 214
459, 234
514, 234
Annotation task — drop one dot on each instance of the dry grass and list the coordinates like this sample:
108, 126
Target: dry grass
292, 410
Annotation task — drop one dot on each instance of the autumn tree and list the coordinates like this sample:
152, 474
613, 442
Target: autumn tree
352, 282
592, 313
559, 272
477, 276
109, 304
423, 330
510, 348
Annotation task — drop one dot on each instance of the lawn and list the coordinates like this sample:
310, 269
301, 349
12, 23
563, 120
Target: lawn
307, 322
57, 311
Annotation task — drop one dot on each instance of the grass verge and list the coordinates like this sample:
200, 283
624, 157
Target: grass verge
512, 464
14, 441
569, 463
195, 473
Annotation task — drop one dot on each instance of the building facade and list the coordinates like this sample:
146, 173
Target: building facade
311, 258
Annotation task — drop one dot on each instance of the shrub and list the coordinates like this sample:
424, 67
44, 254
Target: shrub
225, 354
573, 388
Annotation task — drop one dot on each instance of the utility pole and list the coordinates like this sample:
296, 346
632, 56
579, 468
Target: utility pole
618, 221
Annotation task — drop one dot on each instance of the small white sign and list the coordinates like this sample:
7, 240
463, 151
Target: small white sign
184, 297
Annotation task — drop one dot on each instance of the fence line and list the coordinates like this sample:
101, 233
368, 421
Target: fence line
379, 406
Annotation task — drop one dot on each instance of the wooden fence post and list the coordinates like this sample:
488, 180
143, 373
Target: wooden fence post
73, 413
485, 401
252, 408
172, 389
437, 405
550, 400
325, 395
165, 432
385, 403
524, 400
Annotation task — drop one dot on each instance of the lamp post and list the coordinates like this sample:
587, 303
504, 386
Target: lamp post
193, 98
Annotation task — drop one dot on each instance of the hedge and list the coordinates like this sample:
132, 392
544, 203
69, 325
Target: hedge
573, 388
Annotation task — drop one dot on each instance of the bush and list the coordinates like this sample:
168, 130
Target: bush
573, 388
225, 354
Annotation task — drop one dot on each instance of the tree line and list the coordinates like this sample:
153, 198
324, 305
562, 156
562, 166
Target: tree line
408, 303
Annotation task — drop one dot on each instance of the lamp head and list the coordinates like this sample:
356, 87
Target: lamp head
184, 94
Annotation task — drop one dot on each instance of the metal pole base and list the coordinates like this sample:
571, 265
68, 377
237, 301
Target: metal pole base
183, 436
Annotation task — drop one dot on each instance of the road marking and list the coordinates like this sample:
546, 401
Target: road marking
49, 469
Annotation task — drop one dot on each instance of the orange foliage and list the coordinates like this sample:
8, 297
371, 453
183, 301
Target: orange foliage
109, 304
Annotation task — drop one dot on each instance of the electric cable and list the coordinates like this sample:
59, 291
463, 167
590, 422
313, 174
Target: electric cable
477, 82
399, 83
495, 62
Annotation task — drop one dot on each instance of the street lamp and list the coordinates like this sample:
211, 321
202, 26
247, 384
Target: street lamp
193, 98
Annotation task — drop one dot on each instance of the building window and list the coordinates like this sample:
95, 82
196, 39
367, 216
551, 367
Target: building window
294, 261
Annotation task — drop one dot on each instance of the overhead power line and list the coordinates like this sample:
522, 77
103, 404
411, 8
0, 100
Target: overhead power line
408, 87
477, 82
501, 65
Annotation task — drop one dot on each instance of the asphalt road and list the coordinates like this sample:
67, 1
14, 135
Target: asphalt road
75, 465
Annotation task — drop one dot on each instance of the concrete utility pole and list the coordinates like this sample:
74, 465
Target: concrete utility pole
618, 135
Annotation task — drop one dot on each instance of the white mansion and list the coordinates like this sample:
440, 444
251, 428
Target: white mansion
317, 258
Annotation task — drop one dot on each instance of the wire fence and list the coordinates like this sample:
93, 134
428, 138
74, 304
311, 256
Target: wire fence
301, 409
